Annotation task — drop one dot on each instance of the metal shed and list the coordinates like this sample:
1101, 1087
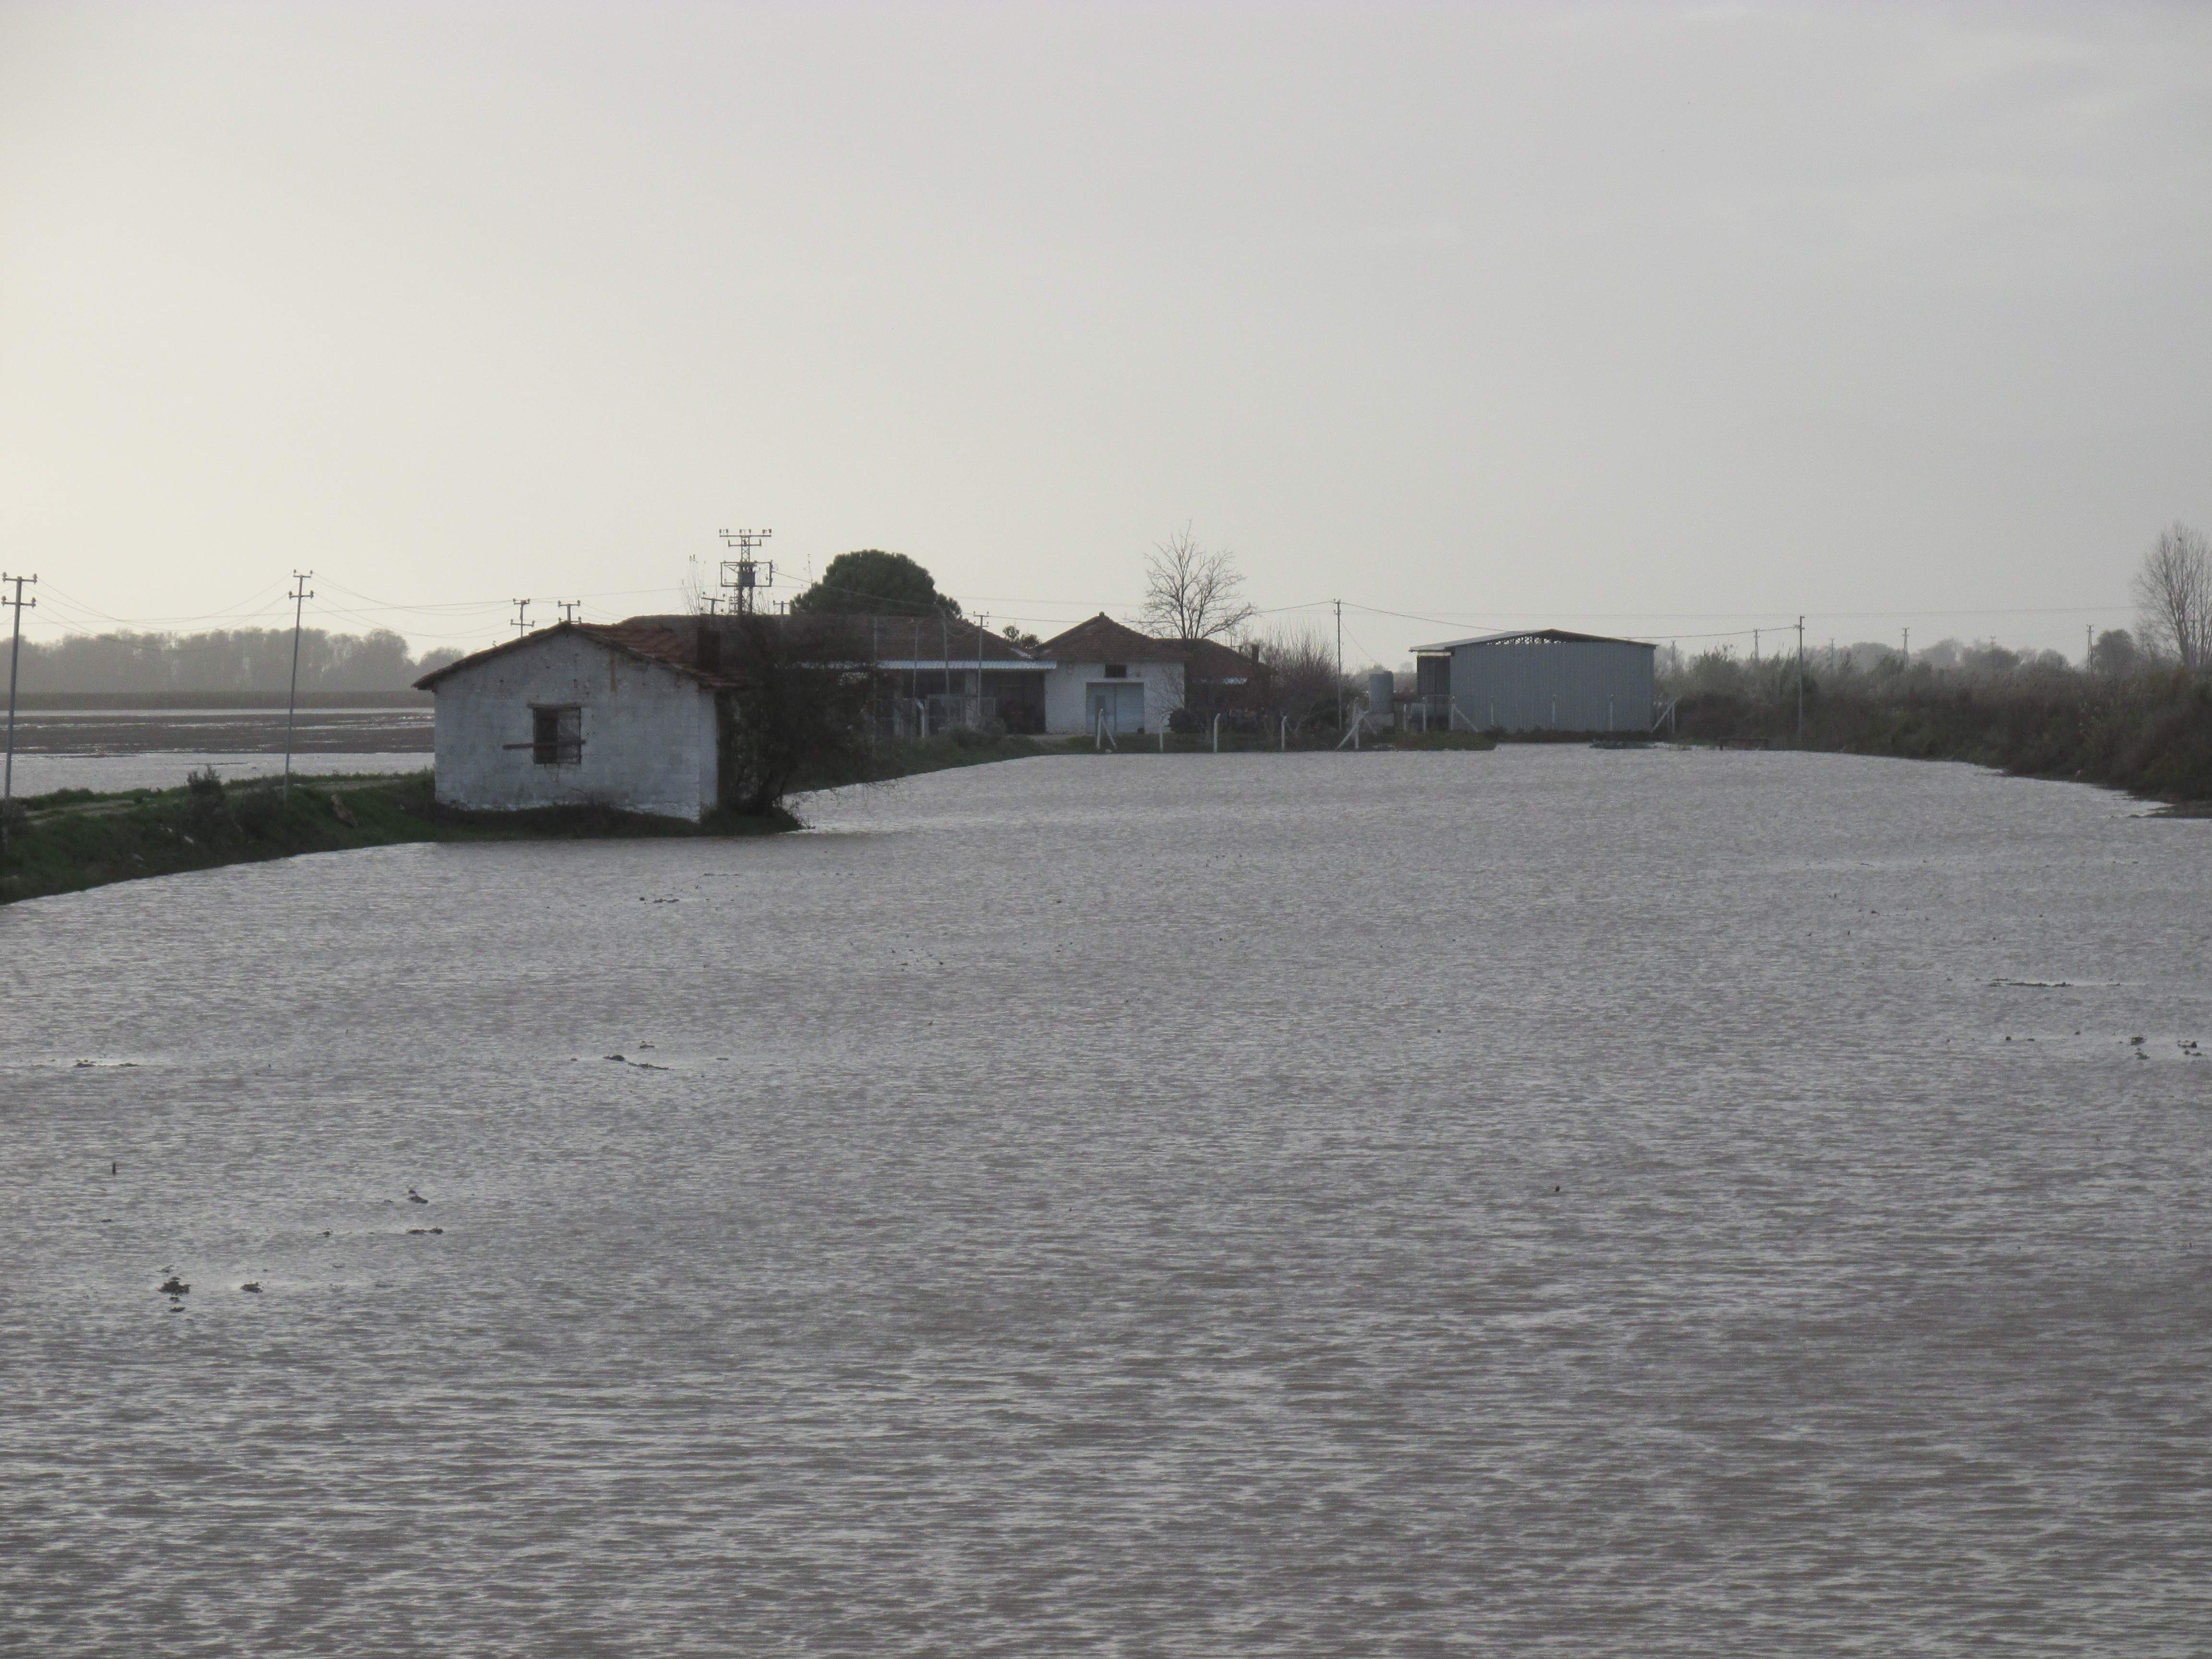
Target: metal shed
1543, 679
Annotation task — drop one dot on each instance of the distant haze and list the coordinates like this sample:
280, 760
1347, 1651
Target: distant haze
1667, 321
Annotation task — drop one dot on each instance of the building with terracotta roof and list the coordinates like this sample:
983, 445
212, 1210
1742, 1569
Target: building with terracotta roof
641, 714
1104, 674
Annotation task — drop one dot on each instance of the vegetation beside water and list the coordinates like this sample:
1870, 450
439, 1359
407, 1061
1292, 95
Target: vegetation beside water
2147, 730
908, 758
1308, 738
75, 838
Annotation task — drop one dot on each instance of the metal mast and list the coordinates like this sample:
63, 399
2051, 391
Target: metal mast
743, 572
300, 595
15, 657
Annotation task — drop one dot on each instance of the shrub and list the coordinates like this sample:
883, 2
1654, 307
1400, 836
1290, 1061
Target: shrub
259, 808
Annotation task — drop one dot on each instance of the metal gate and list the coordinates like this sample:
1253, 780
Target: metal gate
1118, 706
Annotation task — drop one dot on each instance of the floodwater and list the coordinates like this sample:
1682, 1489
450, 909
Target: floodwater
1547, 1201
116, 748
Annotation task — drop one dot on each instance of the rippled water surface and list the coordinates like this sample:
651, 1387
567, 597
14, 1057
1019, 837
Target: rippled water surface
1545, 1201
117, 748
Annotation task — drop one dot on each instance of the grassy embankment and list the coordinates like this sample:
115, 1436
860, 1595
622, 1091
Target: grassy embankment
78, 838
2148, 734
1247, 742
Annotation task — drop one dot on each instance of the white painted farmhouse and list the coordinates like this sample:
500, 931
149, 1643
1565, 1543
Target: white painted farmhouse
1101, 673
579, 713
641, 715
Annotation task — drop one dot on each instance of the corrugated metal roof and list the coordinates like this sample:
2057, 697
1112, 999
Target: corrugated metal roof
1535, 636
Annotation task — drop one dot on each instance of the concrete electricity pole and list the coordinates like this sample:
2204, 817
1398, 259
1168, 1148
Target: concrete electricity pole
15, 656
521, 622
300, 595
1801, 682
1339, 663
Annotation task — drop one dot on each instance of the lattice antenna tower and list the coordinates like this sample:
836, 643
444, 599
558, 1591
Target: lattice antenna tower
745, 575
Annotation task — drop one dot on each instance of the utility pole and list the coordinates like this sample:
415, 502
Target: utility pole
2087, 629
1908, 647
1339, 664
300, 595
521, 622
15, 656
569, 609
1801, 682
743, 573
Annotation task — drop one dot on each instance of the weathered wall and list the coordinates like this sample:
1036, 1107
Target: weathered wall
1066, 689
649, 732
1565, 686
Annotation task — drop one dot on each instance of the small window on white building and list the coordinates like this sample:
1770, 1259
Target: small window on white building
557, 735
1117, 670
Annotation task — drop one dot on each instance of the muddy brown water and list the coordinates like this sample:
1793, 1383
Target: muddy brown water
1543, 1201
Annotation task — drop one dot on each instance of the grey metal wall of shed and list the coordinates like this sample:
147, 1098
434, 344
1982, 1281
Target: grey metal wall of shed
1593, 685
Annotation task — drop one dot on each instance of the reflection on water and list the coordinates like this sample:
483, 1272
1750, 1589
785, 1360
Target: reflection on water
1539, 1201
118, 748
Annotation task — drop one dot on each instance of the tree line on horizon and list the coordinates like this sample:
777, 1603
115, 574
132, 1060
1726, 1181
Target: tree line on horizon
240, 661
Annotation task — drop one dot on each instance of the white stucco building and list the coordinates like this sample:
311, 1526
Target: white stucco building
1100, 671
641, 715
579, 714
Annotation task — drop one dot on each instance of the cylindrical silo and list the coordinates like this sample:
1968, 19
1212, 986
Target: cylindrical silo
1380, 689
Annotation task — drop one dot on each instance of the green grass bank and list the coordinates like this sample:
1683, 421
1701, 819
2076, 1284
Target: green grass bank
2150, 735
78, 838
62, 843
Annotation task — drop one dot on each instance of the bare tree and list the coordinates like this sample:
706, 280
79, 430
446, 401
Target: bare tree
1303, 666
2175, 589
1193, 592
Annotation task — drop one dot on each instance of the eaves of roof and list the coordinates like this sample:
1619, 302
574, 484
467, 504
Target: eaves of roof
1533, 636
658, 645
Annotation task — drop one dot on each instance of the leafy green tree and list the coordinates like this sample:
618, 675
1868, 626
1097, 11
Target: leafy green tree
870, 581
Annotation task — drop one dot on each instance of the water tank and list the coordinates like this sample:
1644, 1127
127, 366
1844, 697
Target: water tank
1380, 689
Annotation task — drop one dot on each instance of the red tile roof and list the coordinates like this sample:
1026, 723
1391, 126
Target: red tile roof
1104, 640
1210, 659
673, 641
644, 638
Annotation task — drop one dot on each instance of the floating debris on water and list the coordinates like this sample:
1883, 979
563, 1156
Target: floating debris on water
253, 1284
175, 1286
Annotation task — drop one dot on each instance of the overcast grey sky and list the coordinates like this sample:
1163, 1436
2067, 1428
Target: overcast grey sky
1658, 319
